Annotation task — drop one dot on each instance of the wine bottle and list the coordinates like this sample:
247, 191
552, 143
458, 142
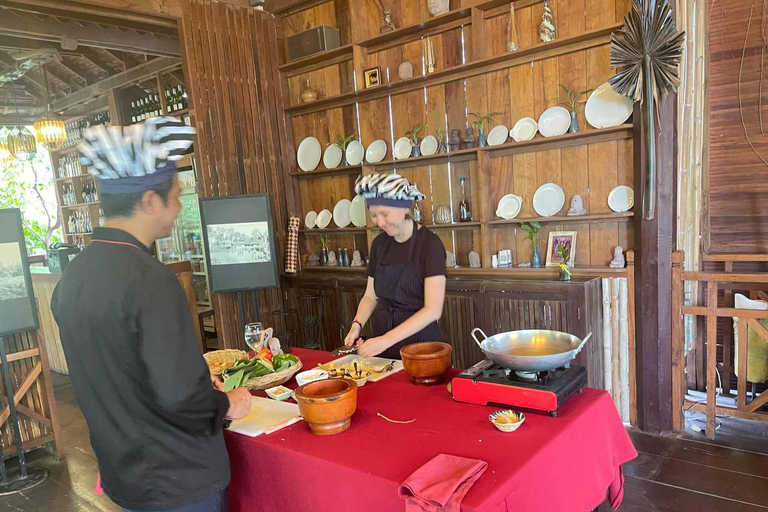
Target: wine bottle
133, 112
465, 214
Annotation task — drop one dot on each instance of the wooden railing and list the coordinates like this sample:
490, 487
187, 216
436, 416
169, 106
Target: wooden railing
712, 283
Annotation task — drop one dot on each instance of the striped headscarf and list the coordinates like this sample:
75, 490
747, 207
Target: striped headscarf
387, 190
135, 158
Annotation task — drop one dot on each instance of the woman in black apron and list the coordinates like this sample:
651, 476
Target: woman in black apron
406, 272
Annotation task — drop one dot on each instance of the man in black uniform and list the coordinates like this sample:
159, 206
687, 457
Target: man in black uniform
154, 415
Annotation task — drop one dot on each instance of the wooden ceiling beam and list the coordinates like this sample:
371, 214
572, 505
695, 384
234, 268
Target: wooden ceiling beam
30, 77
161, 14
14, 23
88, 76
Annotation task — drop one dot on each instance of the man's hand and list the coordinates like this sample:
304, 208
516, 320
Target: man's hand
217, 384
239, 403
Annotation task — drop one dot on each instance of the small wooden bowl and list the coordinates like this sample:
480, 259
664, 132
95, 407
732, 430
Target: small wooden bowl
327, 405
426, 363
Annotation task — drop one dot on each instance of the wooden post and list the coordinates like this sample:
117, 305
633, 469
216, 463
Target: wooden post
616, 350
479, 41
728, 340
711, 357
678, 342
631, 337
607, 343
741, 351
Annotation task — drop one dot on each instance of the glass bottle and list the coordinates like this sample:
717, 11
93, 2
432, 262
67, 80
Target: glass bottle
465, 213
513, 31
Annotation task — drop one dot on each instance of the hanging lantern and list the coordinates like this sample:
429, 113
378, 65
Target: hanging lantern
22, 144
5, 154
50, 131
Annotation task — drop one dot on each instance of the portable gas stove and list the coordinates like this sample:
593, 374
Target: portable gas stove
487, 382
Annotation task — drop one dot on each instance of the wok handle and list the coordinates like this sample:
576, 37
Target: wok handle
477, 329
583, 342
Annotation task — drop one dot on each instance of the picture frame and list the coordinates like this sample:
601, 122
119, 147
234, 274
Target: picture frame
18, 310
555, 238
239, 238
372, 77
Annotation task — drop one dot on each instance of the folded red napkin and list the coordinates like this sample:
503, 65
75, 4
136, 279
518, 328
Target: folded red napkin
441, 484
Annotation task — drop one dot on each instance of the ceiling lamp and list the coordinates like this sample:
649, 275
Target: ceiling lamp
22, 144
49, 128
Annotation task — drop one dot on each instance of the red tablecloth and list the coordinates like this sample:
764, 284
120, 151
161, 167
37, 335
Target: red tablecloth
563, 464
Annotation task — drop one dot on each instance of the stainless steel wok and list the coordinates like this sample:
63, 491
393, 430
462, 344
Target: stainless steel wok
530, 350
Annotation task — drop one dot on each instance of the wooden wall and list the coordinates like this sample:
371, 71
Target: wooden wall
738, 211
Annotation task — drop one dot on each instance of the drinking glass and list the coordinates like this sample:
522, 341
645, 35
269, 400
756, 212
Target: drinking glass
253, 334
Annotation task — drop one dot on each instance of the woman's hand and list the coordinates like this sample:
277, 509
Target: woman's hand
373, 346
353, 335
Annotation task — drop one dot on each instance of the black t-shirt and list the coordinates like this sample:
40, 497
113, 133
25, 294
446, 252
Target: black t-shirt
428, 252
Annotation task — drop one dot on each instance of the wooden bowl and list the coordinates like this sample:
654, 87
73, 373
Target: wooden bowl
327, 405
426, 363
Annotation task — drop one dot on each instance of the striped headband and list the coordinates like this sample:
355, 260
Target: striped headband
387, 190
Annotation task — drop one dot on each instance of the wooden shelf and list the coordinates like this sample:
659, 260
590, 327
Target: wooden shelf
70, 178
358, 270
582, 219
324, 173
526, 272
65, 151
79, 234
461, 155
472, 68
318, 61
178, 113
283, 10
199, 274
334, 231
452, 226
80, 205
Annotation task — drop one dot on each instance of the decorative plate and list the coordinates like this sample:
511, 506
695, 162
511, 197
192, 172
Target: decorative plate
357, 212
403, 148
554, 121
509, 206
332, 156
376, 151
310, 220
323, 219
605, 107
498, 135
548, 200
355, 153
341, 213
621, 199
309, 153
524, 129
428, 145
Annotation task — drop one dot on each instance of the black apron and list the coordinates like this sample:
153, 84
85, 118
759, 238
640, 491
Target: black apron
400, 292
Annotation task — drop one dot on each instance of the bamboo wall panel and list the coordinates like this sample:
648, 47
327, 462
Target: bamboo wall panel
43, 286
738, 212
230, 61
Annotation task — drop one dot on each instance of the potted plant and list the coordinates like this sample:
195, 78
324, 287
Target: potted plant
323, 250
564, 252
342, 142
479, 124
571, 101
413, 134
532, 228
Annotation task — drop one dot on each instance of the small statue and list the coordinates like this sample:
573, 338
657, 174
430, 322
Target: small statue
474, 259
577, 206
469, 138
332, 262
313, 260
389, 26
450, 261
405, 70
618, 260
440, 135
454, 141
357, 260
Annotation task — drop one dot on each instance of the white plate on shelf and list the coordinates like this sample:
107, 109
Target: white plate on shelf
554, 121
509, 206
376, 151
498, 135
323, 219
341, 213
309, 153
355, 153
548, 200
428, 145
605, 107
403, 148
621, 199
357, 212
332, 156
310, 220
525, 129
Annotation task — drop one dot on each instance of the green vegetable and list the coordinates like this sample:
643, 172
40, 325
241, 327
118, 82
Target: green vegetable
283, 361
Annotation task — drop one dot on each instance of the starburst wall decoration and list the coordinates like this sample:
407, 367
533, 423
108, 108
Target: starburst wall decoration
647, 50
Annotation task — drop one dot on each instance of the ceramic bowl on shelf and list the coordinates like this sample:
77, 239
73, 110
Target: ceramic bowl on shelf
332, 156
507, 421
621, 199
554, 121
427, 362
525, 129
357, 212
498, 135
509, 206
323, 219
428, 145
310, 220
310, 376
548, 200
327, 405
308, 154
355, 153
376, 151
403, 148
605, 107
341, 213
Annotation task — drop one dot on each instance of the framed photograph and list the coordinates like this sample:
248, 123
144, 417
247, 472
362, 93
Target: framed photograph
567, 238
18, 312
372, 77
239, 243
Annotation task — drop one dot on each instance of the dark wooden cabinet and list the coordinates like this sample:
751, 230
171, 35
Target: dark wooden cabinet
493, 304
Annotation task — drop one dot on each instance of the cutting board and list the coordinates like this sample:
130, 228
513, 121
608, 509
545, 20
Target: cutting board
376, 362
266, 416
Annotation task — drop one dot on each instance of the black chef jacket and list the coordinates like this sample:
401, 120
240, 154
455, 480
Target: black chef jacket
155, 419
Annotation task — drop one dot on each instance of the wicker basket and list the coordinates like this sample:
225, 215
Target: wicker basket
220, 360
273, 379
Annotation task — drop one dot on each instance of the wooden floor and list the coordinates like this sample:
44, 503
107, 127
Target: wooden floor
671, 474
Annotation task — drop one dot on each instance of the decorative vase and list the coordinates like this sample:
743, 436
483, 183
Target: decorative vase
565, 272
438, 7
574, 128
344, 162
536, 259
481, 142
547, 30
513, 32
415, 150
308, 94
443, 215
324, 257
